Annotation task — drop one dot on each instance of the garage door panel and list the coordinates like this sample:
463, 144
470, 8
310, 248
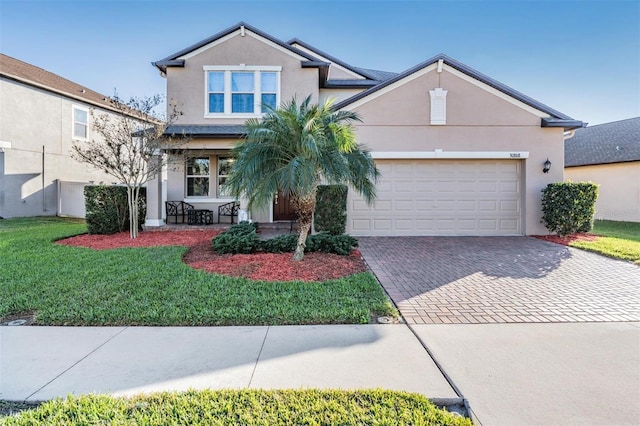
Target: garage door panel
510, 206
441, 197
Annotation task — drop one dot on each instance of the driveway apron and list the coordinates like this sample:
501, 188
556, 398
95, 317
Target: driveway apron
476, 280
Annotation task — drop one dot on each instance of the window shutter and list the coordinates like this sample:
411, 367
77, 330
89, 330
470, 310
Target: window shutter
438, 106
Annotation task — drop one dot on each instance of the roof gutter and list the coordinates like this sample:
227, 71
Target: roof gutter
565, 124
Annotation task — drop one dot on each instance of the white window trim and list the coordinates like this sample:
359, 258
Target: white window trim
257, 89
73, 122
187, 176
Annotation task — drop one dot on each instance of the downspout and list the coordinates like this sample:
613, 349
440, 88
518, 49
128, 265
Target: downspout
569, 134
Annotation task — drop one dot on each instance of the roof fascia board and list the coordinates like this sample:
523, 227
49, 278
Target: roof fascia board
327, 58
567, 124
330, 85
463, 69
377, 91
500, 94
248, 33
226, 34
503, 88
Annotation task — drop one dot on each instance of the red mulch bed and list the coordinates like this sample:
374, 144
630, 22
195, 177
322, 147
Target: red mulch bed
567, 239
259, 266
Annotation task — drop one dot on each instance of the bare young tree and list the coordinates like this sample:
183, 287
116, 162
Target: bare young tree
129, 145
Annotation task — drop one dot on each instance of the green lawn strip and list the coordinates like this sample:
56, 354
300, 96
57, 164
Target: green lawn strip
619, 240
623, 230
244, 407
152, 286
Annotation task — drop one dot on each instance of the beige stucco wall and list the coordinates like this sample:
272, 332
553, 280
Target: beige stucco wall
337, 94
33, 118
477, 120
187, 85
619, 190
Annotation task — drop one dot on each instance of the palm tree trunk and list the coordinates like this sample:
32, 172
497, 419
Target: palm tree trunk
304, 207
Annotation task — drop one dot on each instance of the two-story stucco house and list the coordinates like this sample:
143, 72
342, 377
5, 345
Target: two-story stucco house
460, 153
41, 116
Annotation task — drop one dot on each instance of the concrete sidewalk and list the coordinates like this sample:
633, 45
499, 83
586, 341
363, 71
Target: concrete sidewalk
41, 363
543, 374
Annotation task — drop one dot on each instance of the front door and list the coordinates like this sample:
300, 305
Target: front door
282, 209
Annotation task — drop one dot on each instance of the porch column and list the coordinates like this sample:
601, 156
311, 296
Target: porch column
154, 200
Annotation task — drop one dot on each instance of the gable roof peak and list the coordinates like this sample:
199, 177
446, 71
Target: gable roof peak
175, 61
557, 119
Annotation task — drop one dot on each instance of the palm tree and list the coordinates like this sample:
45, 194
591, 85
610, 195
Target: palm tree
295, 148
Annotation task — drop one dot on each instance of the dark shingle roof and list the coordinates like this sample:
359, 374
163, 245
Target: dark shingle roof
377, 74
209, 131
615, 142
558, 119
23, 72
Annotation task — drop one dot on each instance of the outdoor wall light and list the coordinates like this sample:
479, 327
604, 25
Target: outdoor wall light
547, 166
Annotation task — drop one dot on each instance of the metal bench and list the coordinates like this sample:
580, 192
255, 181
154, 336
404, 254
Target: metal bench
229, 209
178, 210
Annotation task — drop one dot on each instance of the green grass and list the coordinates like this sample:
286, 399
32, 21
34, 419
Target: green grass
152, 286
620, 240
243, 407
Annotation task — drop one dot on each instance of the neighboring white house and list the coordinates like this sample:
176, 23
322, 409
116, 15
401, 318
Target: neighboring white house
609, 155
41, 115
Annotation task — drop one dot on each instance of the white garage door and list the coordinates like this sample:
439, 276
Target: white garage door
441, 197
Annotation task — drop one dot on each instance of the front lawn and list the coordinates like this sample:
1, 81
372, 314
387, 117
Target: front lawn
66, 285
244, 407
620, 240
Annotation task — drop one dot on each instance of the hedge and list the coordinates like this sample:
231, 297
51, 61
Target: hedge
107, 208
243, 238
331, 209
569, 207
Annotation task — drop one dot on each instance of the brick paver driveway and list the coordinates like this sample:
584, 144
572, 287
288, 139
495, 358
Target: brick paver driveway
501, 279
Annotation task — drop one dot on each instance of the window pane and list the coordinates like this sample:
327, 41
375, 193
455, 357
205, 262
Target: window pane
80, 116
198, 166
242, 103
216, 102
216, 82
269, 82
197, 186
80, 130
224, 165
268, 100
242, 82
222, 190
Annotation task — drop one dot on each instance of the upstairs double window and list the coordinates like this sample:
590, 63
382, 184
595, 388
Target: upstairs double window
241, 91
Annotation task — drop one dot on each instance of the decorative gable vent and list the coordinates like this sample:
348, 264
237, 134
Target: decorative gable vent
438, 106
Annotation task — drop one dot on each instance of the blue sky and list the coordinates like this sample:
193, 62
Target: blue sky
579, 57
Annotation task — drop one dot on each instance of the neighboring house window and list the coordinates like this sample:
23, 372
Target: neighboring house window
80, 123
201, 182
198, 177
241, 90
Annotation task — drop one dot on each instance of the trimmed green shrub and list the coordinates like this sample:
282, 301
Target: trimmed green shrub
338, 244
107, 208
240, 238
243, 238
281, 244
331, 209
568, 207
